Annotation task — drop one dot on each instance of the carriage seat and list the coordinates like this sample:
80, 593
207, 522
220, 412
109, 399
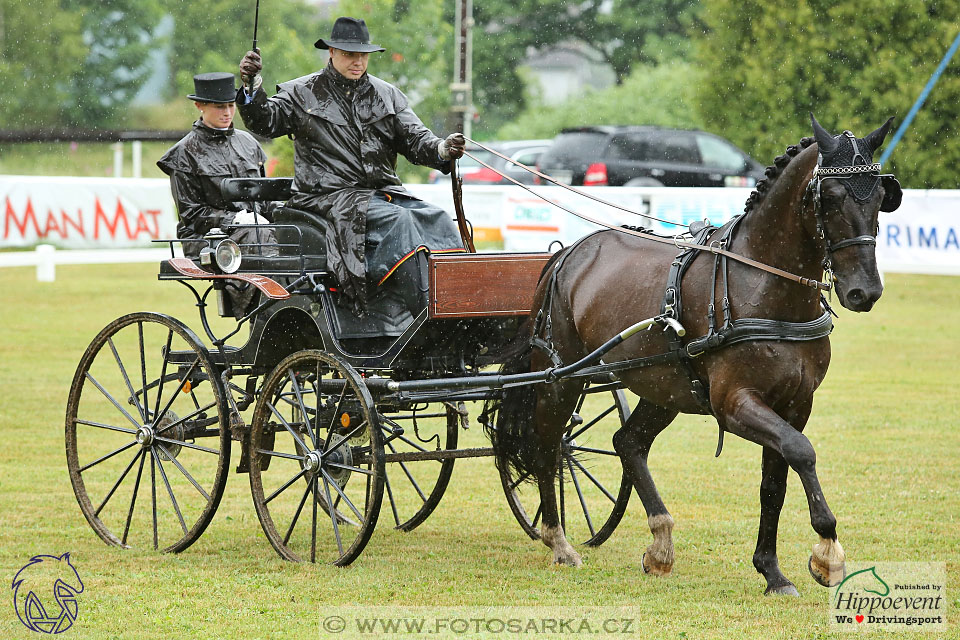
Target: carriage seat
299, 233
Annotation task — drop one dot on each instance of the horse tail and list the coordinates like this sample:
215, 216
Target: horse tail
511, 433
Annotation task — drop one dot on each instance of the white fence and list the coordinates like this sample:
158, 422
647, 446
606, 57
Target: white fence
923, 236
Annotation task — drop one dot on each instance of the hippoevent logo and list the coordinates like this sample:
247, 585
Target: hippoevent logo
45, 593
891, 596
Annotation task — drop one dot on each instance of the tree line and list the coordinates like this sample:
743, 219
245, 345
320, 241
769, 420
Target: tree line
747, 70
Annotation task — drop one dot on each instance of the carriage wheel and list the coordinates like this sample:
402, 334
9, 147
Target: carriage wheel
316, 459
592, 487
148, 447
414, 487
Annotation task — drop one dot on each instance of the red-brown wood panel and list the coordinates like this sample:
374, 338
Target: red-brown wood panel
489, 284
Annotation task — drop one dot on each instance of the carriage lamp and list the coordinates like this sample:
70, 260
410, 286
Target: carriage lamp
221, 253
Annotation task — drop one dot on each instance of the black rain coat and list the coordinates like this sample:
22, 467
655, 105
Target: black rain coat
347, 134
197, 165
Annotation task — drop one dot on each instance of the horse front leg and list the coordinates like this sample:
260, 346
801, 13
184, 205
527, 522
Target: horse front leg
632, 442
745, 414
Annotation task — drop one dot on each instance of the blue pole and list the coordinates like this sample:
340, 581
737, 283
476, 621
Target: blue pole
920, 100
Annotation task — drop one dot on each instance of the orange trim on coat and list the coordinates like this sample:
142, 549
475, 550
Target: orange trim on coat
420, 248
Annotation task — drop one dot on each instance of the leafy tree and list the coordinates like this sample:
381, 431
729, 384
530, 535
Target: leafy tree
36, 80
118, 37
663, 95
623, 32
768, 64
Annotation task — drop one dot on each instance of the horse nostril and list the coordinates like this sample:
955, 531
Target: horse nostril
856, 296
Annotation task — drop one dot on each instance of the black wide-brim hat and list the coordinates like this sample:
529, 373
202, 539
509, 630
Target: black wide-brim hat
349, 34
214, 87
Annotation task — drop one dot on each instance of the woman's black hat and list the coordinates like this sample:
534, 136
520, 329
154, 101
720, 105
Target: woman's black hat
214, 87
349, 34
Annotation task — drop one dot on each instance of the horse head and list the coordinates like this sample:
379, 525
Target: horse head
40, 576
848, 192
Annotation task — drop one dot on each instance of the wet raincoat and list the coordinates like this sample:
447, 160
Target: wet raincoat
197, 165
347, 134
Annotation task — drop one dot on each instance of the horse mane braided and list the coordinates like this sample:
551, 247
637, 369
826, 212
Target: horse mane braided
773, 172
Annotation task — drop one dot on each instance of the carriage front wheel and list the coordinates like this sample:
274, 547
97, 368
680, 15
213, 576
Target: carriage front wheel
592, 487
316, 459
148, 446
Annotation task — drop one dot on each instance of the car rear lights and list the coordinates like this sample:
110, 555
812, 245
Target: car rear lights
596, 175
481, 175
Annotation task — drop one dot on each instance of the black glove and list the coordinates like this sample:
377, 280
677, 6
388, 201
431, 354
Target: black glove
250, 68
452, 147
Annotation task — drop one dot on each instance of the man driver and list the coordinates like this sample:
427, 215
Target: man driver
348, 127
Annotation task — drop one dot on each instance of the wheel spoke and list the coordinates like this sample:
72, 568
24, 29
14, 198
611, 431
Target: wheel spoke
133, 498
193, 414
286, 426
163, 373
313, 527
173, 397
583, 501
186, 473
296, 516
116, 484
112, 400
349, 468
593, 480
106, 457
573, 436
393, 504
278, 454
163, 474
563, 507
188, 445
284, 487
360, 427
336, 487
143, 369
602, 452
303, 408
100, 425
333, 514
416, 486
126, 379
333, 418
516, 483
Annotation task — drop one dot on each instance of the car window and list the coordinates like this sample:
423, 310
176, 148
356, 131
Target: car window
527, 157
720, 154
631, 147
676, 147
576, 145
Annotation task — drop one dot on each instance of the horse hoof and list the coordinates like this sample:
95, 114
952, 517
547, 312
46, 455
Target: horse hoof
826, 576
783, 590
654, 567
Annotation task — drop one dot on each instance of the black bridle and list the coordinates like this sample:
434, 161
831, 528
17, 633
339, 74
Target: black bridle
842, 173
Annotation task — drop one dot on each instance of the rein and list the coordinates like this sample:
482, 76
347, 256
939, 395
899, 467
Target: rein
715, 249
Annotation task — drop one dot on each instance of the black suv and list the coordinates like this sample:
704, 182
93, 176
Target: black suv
647, 156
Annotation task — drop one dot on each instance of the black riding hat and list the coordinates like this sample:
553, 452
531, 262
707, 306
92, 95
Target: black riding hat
349, 34
214, 87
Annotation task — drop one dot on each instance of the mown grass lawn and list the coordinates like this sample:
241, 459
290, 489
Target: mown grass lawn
885, 426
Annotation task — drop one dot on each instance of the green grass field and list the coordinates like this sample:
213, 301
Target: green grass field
885, 426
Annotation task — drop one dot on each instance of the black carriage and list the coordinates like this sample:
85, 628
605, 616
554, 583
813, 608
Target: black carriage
332, 412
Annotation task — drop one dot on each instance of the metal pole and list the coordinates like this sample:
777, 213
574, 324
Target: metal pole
920, 100
137, 159
463, 66
118, 160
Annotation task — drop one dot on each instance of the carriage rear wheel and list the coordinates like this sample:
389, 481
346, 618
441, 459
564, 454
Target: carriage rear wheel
592, 486
415, 486
316, 459
146, 425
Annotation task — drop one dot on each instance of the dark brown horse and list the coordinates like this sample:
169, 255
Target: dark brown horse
760, 389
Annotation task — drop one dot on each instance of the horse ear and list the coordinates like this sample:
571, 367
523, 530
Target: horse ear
875, 139
824, 138
66, 556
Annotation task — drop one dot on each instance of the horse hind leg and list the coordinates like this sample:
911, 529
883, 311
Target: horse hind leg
632, 442
773, 488
555, 405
